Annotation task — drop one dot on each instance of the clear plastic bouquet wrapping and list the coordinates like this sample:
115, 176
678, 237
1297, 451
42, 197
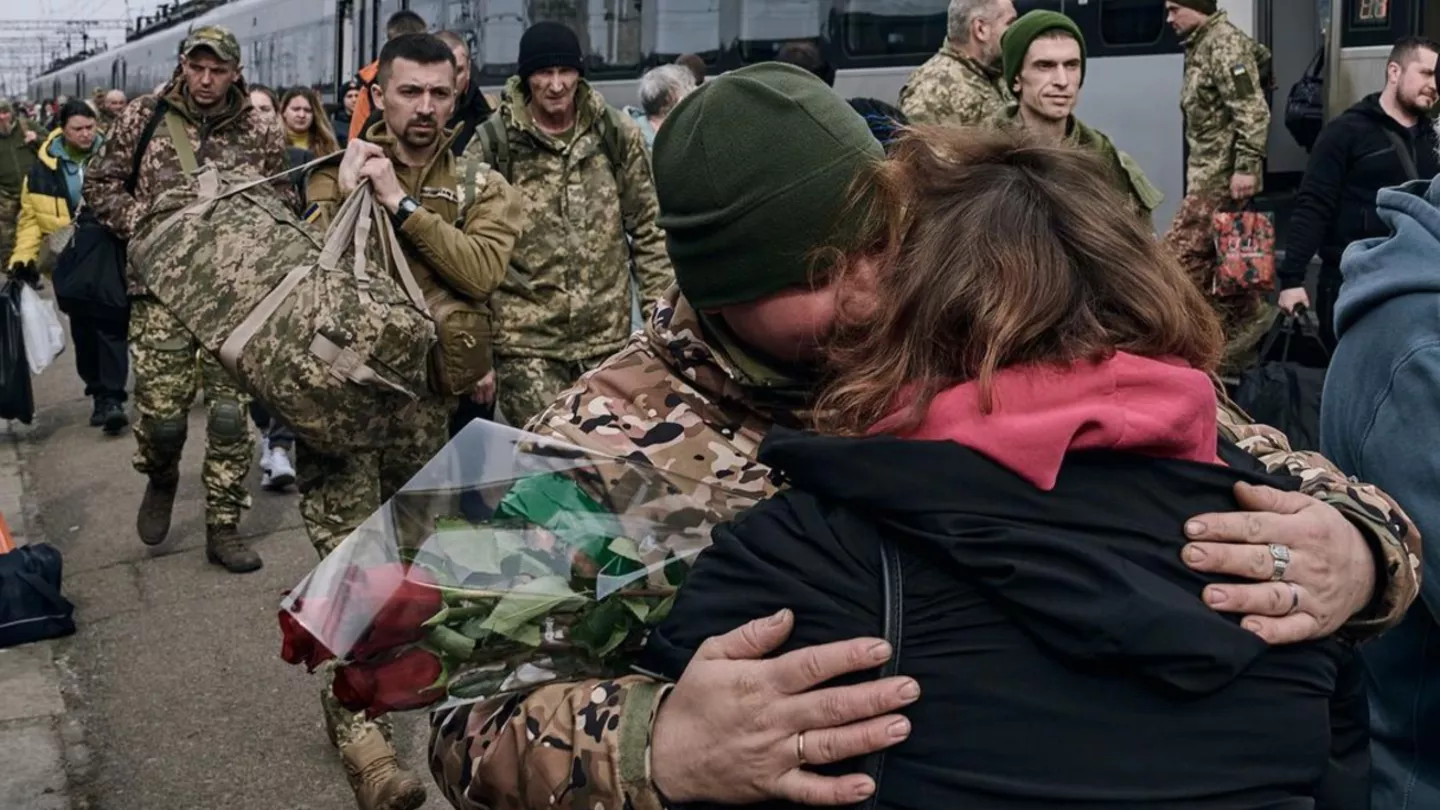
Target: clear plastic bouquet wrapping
509, 560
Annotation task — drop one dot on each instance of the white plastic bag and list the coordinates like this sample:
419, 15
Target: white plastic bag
44, 337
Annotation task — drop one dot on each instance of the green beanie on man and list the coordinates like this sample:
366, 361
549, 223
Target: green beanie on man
753, 172
1015, 42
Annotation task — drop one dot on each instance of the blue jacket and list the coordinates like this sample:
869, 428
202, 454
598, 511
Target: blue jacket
1380, 422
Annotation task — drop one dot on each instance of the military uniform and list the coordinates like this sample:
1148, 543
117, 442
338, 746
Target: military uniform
168, 363
678, 398
16, 158
457, 244
1227, 123
565, 305
955, 90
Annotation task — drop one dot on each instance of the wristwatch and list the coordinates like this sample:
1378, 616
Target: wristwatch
408, 206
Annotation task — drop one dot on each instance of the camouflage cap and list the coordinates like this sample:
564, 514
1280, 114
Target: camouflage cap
6, 106
216, 39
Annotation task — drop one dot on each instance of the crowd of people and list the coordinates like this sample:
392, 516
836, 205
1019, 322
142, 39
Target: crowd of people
940, 345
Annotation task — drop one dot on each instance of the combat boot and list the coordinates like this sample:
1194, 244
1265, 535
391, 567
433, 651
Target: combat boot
153, 521
224, 547
377, 778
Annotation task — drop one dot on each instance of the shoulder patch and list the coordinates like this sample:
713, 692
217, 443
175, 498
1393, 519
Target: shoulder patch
312, 213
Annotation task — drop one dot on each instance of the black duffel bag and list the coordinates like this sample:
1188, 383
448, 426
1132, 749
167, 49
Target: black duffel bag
1284, 389
31, 607
1305, 107
90, 273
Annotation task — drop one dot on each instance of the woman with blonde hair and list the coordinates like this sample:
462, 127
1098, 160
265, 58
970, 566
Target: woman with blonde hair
1019, 419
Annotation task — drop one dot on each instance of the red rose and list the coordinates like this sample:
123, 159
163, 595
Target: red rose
298, 645
398, 600
404, 682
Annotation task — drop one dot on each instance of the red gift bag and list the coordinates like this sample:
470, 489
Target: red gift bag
1245, 248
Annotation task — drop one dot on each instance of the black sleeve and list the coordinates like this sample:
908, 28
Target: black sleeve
779, 554
1317, 201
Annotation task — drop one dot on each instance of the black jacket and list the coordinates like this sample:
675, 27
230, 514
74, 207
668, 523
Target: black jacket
1064, 656
1352, 160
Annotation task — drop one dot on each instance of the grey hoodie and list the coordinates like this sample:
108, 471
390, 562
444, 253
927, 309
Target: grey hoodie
1380, 422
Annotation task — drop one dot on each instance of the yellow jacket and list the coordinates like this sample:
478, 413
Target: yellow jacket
44, 202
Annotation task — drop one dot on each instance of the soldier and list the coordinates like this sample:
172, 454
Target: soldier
1226, 125
961, 85
427, 190
1044, 56
111, 105
585, 174
207, 104
19, 143
733, 352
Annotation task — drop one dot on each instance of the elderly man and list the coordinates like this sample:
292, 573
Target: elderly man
112, 104
731, 353
661, 89
961, 85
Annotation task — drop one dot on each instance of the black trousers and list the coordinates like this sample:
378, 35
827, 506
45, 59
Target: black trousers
272, 429
102, 355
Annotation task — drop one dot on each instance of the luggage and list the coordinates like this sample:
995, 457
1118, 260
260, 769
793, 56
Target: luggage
31, 607
1305, 108
17, 400
1245, 246
334, 347
1285, 388
90, 272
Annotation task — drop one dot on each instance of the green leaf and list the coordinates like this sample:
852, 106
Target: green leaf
472, 549
625, 547
529, 603
477, 684
639, 607
450, 642
660, 611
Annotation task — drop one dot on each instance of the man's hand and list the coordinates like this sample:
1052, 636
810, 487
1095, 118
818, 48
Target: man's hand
484, 393
1292, 298
31, 136
1330, 563
727, 733
1242, 186
356, 153
381, 173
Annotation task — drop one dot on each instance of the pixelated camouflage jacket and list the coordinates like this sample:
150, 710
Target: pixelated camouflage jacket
1129, 178
568, 297
675, 400
953, 89
1227, 120
238, 141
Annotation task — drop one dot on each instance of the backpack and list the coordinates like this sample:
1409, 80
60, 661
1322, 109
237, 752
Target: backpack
334, 345
496, 143
31, 607
1305, 107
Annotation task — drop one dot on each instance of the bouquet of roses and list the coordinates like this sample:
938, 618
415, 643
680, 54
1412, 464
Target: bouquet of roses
511, 559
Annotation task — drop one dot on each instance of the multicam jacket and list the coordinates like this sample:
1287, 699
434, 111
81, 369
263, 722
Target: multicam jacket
237, 141
954, 90
673, 398
568, 295
1227, 120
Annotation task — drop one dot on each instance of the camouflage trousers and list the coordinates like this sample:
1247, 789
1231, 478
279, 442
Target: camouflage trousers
9, 225
1244, 318
169, 369
339, 493
525, 386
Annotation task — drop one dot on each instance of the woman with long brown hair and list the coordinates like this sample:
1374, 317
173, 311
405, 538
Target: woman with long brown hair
305, 123
1019, 420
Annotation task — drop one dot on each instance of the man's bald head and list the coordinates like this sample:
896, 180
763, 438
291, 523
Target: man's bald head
114, 102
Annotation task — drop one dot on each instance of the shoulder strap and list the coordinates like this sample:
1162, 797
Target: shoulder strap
497, 145
469, 194
144, 143
1402, 151
183, 148
893, 583
1145, 191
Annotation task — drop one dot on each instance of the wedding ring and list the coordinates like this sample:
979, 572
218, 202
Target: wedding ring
800, 747
1294, 598
1280, 556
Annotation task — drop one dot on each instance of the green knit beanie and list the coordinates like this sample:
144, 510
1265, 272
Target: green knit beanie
753, 172
1015, 42
1202, 6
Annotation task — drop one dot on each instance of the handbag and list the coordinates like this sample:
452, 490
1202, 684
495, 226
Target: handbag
31, 607
1284, 390
1245, 251
1305, 107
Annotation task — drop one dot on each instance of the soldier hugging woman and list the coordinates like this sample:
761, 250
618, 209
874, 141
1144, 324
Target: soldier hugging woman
1018, 422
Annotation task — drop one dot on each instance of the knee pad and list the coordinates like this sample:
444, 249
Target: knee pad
167, 434
227, 420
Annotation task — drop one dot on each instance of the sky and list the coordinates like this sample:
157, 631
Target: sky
21, 48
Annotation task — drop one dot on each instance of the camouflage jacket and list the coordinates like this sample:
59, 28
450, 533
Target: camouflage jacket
953, 89
1129, 178
461, 239
237, 141
568, 295
673, 398
1227, 120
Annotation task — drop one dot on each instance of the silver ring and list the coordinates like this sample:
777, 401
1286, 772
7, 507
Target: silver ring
1280, 557
800, 747
1294, 598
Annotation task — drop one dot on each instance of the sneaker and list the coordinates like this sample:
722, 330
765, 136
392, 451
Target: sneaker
114, 419
265, 454
279, 472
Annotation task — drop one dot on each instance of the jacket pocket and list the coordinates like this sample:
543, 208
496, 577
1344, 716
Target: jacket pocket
462, 355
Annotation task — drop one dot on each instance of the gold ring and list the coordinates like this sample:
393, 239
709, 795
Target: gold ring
800, 747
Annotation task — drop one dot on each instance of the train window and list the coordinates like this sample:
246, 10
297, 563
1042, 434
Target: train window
892, 27
1131, 22
684, 26
766, 25
1368, 13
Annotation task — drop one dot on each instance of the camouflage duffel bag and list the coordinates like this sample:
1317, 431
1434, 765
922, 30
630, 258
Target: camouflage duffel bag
322, 334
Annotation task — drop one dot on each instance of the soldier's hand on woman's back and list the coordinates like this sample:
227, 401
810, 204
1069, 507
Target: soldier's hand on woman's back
730, 731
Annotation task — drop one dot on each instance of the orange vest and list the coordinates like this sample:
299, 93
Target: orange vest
362, 107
